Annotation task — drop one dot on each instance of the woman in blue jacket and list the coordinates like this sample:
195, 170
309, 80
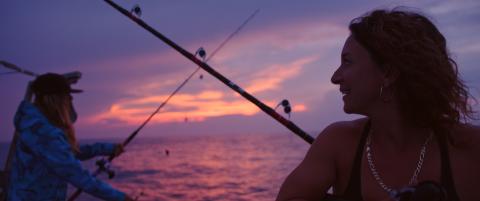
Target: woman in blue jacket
47, 155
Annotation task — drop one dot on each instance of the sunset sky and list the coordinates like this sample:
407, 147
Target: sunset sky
288, 51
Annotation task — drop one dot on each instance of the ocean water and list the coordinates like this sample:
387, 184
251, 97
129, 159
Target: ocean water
204, 168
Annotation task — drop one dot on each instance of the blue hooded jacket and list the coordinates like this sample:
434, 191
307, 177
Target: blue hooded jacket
44, 163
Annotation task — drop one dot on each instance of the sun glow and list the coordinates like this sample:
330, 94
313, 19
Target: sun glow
197, 107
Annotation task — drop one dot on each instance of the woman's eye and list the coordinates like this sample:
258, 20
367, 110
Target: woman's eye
346, 61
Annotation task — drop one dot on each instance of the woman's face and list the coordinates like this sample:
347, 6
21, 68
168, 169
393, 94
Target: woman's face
360, 79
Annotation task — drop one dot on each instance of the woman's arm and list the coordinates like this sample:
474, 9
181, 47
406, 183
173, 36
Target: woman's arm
315, 174
49, 144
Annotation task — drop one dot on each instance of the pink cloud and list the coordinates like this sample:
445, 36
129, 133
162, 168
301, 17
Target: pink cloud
298, 36
194, 107
311, 42
197, 107
273, 76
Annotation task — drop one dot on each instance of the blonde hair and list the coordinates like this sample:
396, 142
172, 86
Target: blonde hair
57, 109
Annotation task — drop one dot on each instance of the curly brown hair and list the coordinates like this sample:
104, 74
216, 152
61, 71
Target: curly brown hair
428, 87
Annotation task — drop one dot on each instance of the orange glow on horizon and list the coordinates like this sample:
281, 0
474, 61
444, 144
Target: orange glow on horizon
191, 107
208, 103
195, 107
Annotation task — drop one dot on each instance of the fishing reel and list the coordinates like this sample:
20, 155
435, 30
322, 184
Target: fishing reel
104, 166
136, 11
424, 191
286, 107
202, 53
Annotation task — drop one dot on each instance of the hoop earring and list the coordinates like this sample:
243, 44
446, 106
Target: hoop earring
384, 99
381, 91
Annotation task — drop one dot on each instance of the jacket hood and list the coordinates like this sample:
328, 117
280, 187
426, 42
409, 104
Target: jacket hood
28, 115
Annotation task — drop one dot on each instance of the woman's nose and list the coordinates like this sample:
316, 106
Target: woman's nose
336, 77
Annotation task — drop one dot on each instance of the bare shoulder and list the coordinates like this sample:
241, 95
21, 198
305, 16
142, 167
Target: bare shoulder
340, 138
466, 137
464, 154
338, 142
323, 165
341, 132
464, 144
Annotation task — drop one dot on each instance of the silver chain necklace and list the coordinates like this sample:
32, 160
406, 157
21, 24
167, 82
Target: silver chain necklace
374, 171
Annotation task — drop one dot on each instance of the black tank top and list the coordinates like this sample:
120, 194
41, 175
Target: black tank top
353, 191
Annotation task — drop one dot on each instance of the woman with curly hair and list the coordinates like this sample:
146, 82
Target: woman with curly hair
414, 142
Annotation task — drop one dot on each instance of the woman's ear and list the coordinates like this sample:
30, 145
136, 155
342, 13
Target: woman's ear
390, 76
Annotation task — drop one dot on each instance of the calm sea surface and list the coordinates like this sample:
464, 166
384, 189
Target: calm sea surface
242, 167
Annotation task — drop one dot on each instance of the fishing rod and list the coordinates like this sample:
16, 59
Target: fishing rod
72, 77
103, 164
17, 69
287, 123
